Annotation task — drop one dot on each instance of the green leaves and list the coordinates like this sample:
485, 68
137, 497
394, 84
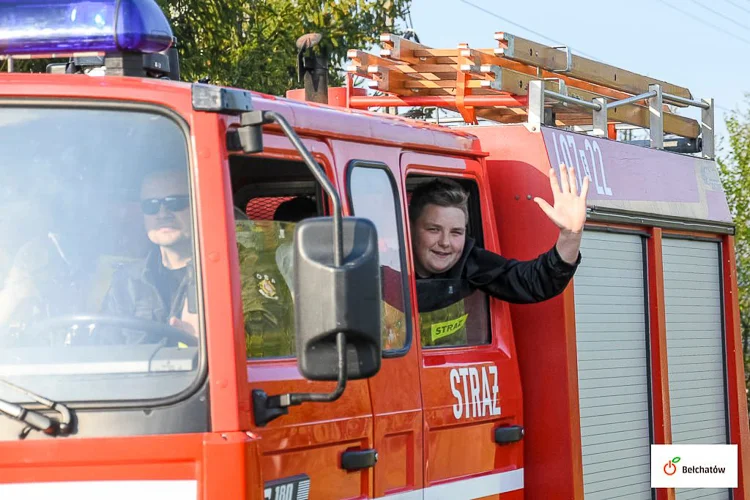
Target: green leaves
675, 460
734, 169
251, 43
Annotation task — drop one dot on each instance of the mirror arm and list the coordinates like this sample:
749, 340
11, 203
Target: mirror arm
257, 119
267, 408
305, 397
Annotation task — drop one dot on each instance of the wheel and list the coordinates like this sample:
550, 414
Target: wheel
91, 322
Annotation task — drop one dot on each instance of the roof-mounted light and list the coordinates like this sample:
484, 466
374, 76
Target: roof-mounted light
70, 26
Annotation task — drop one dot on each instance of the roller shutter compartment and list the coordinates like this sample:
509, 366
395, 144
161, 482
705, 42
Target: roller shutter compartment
613, 370
695, 347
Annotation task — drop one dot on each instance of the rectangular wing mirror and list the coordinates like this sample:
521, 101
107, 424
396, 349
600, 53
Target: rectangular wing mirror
330, 299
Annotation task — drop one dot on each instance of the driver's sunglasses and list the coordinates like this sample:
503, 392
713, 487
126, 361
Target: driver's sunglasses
177, 203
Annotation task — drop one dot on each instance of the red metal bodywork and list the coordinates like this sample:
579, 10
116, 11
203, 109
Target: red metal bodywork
658, 326
405, 410
544, 333
517, 164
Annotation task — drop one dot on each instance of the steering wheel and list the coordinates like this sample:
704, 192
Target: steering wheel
87, 324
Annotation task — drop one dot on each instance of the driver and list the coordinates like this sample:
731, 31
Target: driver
161, 288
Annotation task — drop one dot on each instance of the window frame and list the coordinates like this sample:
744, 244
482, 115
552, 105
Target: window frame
76, 104
476, 231
281, 188
376, 165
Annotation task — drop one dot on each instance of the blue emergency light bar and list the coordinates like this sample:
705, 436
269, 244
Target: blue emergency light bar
70, 26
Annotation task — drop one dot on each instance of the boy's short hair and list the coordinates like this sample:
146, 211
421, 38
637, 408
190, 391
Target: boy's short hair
439, 191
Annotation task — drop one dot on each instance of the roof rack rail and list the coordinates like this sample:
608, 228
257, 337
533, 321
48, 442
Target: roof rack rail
523, 81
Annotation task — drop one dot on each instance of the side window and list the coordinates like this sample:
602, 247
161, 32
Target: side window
374, 196
445, 230
270, 198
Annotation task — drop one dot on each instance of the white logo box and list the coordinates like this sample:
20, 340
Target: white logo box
694, 466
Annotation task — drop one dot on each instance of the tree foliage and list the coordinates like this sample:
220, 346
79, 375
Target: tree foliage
251, 43
734, 167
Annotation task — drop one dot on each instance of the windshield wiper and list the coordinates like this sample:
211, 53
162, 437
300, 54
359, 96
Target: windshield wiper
33, 419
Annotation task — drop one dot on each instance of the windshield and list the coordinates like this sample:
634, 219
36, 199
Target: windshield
98, 294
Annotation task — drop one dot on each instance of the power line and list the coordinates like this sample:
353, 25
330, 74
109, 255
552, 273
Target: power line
719, 14
410, 33
524, 28
695, 18
727, 109
738, 6
592, 57
408, 13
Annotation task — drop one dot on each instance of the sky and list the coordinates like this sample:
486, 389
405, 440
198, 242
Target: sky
699, 44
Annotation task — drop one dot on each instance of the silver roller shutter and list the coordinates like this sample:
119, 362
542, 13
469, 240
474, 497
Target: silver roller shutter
695, 350
612, 351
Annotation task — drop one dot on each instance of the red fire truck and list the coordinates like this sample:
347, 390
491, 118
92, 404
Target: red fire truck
298, 369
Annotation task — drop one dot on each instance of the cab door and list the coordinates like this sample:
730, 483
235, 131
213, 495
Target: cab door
375, 193
308, 451
471, 386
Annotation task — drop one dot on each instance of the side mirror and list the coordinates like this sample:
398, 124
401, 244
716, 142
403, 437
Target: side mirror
330, 299
336, 283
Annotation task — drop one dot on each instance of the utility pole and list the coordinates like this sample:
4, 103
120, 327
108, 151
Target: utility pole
389, 26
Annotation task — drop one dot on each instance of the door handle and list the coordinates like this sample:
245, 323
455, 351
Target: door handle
508, 434
358, 459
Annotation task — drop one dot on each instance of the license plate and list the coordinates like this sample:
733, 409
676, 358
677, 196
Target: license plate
288, 488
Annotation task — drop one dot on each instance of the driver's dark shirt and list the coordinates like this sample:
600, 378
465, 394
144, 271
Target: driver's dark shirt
168, 282
149, 291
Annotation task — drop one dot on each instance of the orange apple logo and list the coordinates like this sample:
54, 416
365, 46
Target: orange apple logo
670, 468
